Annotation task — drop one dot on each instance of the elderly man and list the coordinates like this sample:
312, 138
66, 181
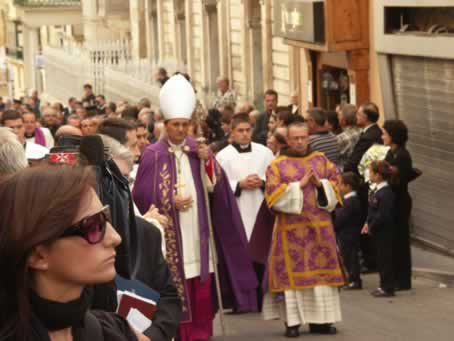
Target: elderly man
226, 96
13, 120
175, 175
12, 154
350, 134
35, 134
304, 271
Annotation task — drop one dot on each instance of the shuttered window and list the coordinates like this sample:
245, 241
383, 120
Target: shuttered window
424, 92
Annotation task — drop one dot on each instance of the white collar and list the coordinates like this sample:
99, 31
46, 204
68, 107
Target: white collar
382, 185
368, 127
177, 146
351, 194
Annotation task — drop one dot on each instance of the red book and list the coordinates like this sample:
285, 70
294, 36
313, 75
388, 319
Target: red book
129, 300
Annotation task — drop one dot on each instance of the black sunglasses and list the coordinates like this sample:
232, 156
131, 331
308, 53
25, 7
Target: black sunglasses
91, 228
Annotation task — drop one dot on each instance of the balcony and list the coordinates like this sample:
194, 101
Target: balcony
48, 3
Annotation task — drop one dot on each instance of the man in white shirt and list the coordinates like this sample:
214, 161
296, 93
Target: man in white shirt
245, 164
13, 120
35, 134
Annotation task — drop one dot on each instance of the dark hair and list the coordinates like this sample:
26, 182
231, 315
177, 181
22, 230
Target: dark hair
280, 138
92, 113
88, 86
271, 92
185, 75
141, 125
39, 204
318, 115
10, 115
397, 130
72, 99
284, 115
384, 169
162, 72
115, 128
213, 121
226, 118
131, 112
371, 111
352, 179
60, 106
331, 117
112, 106
102, 96
228, 109
239, 118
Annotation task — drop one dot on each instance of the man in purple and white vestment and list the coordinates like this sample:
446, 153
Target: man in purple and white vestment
175, 175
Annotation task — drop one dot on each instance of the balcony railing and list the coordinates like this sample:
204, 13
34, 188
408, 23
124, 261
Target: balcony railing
47, 3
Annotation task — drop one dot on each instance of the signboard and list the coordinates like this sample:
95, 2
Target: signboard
302, 20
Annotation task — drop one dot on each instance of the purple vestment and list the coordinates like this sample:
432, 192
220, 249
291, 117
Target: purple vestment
155, 184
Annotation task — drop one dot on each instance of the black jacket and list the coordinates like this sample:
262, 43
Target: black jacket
348, 221
366, 140
401, 159
152, 269
381, 214
260, 133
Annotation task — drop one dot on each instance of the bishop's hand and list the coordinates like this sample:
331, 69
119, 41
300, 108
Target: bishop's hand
183, 203
203, 151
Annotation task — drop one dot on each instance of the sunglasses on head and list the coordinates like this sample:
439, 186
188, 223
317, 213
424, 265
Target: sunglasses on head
91, 228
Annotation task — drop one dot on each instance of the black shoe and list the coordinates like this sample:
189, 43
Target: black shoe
326, 328
402, 288
353, 286
382, 293
292, 331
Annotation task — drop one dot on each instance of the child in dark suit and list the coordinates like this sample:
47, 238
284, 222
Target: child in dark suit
381, 224
348, 223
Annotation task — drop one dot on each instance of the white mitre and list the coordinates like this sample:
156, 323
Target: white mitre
177, 98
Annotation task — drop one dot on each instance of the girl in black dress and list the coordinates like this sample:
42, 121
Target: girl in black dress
395, 135
381, 224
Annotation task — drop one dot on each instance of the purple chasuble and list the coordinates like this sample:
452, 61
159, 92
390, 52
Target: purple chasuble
155, 184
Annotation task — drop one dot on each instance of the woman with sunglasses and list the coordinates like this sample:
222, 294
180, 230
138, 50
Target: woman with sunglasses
55, 242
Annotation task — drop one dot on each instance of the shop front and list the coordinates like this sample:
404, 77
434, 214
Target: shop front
329, 40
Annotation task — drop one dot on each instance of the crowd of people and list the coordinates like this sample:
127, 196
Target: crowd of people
225, 208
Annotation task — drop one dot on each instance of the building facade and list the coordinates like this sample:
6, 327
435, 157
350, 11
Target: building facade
240, 39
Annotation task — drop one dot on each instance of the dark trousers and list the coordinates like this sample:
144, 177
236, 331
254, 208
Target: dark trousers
349, 248
259, 271
367, 244
401, 245
384, 250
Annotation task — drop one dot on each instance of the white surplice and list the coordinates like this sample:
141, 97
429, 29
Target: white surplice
189, 219
238, 166
35, 151
320, 304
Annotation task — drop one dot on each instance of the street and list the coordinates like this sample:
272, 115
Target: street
425, 313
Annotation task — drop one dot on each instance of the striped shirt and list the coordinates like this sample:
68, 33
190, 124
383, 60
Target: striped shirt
325, 143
